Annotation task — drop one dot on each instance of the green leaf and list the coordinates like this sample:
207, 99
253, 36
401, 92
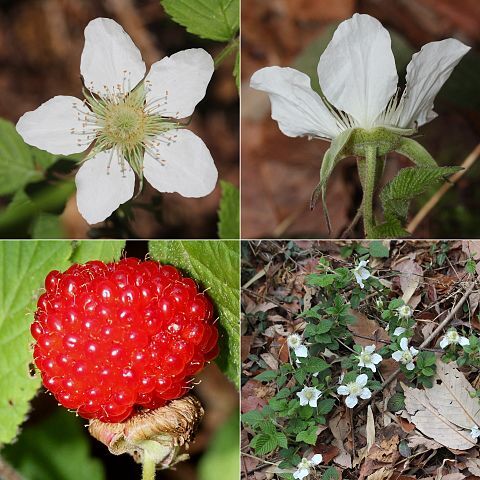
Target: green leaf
213, 19
330, 474
229, 213
396, 402
47, 225
237, 69
50, 448
267, 376
282, 440
323, 327
325, 406
264, 443
104, 250
321, 280
215, 265
253, 418
20, 164
24, 266
308, 436
222, 452
378, 249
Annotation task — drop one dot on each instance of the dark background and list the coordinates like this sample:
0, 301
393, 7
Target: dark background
279, 173
40, 46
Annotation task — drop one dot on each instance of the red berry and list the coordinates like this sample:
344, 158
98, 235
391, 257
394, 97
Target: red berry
116, 338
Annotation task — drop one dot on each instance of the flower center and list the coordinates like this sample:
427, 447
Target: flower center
308, 394
354, 388
453, 336
366, 357
407, 356
124, 124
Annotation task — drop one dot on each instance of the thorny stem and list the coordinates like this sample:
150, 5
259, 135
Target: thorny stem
148, 467
229, 48
369, 188
440, 327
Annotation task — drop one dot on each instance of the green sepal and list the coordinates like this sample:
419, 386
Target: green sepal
416, 153
330, 160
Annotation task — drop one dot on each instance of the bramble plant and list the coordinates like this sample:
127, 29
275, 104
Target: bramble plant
363, 113
308, 387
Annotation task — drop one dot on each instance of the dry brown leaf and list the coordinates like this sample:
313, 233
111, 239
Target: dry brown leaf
473, 465
411, 275
418, 440
366, 327
340, 427
382, 474
270, 360
445, 412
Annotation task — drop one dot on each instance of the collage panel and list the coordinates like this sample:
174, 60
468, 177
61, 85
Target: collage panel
119, 119
119, 360
360, 360
359, 119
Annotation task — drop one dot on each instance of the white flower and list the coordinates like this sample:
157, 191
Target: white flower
368, 358
304, 467
405, 311
405, 355
309, 396
354, 390
399, 331
130, 122
294, 341
452, 337
358, 78
361, 273
475, 432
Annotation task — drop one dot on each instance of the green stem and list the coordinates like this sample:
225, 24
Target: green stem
148, 467
229, 48
369, 188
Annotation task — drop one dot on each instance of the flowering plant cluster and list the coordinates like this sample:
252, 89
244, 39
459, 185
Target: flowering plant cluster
310, 385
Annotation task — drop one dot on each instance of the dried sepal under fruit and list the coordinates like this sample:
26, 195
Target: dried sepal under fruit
119, 338
163, 433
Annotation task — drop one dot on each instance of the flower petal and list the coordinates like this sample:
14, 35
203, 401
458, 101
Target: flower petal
365, 393
177, 83
444, 342
397, 356
296, 107
357, 70
376, 358
351, 401
370, 348
49, 127
110, 62
428, 70
101, 188
362, 380
317, 458
399, 331
404, 343
301, 351
410, 366
187, 166
463, 341
343, 390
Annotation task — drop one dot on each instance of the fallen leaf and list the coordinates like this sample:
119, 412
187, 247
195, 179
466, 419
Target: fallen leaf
247, 341
370, 428
328, 452
382, 474
270, 360
445, 412
411, 275
340, 427
418, 440
473, 465
366, 327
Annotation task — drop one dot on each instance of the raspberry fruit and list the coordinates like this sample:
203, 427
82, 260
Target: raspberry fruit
114, 339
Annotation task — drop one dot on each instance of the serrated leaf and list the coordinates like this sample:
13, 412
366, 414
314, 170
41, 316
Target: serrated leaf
104, 250
24, 266
264, 443
396, 402
215, 265
266, 376
20, 164
253, 417
281, 440
229, 213
308, 436
378, 249
49, 448
47, 225
213, 19
330, 474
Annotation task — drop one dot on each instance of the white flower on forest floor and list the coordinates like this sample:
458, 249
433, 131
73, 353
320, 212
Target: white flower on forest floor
368, 358
399, 331
405, 311
131, 124
452, 337
355, 389
294, 341
405, 355
358, 78
361, 273
306, 465
309, 396
475, 432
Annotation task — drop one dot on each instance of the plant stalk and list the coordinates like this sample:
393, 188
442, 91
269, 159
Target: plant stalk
228, 49
369, 189
148, 467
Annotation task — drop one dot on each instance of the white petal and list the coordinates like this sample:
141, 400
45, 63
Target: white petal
100, 189
404, 343
343, 390
317, 458
49, 126
428, 70
357, 70
359, 280
301, 351
301, 473
444, 342
399, 331
413, 351
372, 367
410, 366
110, 61
365, 393
362, 380
397, 356
351, 401
296, 107
177, 83
376, 358
370, 348
463, 341
313, 402
363, 263
361, 363
188, 166
364, 274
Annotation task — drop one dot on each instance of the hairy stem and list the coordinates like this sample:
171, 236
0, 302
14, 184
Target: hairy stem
148, 467
369, 188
